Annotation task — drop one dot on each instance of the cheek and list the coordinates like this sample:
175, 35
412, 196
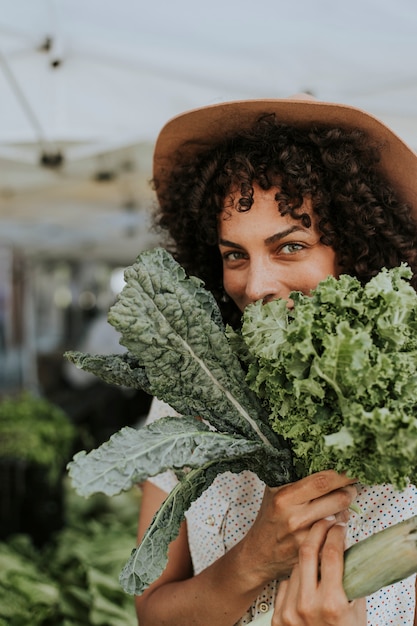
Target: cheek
325, 266
231, 283
332, 263
235, 288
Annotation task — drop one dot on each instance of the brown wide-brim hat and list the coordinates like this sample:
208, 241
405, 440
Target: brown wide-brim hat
189, 133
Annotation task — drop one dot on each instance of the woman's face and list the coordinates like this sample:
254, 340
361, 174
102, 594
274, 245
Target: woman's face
266, 256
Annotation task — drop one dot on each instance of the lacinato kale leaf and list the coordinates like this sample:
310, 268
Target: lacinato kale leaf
172, 329
338, 374
149, 559
114, 369
177, 350
131, 455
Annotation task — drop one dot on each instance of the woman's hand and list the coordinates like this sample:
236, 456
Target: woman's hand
286, 515
314, 594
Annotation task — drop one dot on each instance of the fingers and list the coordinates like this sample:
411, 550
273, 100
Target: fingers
313, 498
287, 513
316, 485
301, 594
332, 562
312, 550
333, 503
286, 601
314, 594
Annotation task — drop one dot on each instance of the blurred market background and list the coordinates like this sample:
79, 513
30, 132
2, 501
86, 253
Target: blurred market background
85, 86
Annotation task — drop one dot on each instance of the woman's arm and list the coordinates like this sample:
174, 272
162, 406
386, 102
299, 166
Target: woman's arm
218, 595
222, 592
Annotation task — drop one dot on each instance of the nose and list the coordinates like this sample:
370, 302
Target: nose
265, 283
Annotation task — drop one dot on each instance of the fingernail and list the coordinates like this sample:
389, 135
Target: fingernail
330, 518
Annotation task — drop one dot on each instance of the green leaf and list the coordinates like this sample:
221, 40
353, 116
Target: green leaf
130, 456
178, 351
115, 369
105, 606
149, 559
339, 375
173, 327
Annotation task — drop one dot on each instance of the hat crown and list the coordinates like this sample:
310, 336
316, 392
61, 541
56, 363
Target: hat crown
190, 132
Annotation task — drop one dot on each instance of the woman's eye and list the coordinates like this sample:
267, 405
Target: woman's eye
233, 256
291, 248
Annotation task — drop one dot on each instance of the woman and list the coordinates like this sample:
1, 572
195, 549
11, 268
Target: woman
260, 198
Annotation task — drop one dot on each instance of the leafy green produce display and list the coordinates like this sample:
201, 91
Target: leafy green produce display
179, 351
338, 375
72, 581
36, 431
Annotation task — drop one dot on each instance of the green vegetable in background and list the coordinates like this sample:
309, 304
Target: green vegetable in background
338, 375
72, 581
178, 351
34, 430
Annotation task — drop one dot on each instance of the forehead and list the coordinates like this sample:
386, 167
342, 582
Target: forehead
262, 219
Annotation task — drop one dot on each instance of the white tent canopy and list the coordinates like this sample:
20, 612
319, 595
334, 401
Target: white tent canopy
87, 84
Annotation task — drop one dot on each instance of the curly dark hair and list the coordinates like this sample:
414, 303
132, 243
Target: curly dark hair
358, 213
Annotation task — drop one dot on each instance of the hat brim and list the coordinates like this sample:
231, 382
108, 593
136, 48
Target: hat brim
196, 130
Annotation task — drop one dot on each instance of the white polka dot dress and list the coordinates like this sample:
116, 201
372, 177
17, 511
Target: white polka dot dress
222, 516
381, 507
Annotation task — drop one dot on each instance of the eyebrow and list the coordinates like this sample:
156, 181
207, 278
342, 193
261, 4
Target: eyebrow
269, 240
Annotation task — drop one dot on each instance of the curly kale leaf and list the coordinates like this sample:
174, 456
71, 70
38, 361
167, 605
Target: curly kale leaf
339, 375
